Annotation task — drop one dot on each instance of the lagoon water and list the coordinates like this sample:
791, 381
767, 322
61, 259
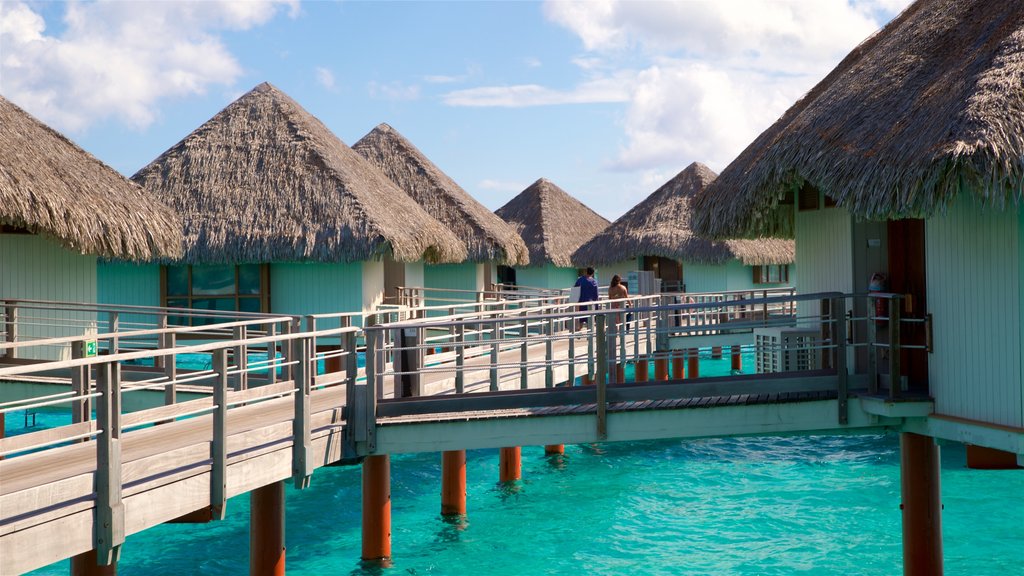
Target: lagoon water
745, 506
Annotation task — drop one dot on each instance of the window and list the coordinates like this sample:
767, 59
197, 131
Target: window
771, 274
225, 287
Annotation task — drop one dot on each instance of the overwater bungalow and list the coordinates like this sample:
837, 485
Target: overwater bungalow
553, 224
279, 216
655, 235
61, 209
489, 241
906, 163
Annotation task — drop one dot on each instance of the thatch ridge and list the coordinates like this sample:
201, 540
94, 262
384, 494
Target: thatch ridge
487, 237
660, 226
51, 186
265, 181
553, 223
929, 107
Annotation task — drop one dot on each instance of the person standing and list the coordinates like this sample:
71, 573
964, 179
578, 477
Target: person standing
588, 290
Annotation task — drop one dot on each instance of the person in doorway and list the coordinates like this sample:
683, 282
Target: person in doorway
588, 290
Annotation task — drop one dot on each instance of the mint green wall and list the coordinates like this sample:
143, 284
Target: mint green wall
824, 254
975, 289
464, 276
37, 268
316, 288
127, 284
547, 276
705, 277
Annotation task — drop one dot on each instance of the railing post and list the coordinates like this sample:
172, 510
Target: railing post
611, 347
591, 336
302, 461
272, 355
460, 358
161, 324
603, 345
240, 381
113, 326
219, 440
374, 387
495, 350
570, 325
170, 369
549, 355
290, 327
895, 374
108, 530
11, 323
81, 411
524, 356
838, 318
872, 338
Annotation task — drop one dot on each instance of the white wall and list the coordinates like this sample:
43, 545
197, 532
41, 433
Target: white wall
373, 285
37, 268
824, 254
974, 268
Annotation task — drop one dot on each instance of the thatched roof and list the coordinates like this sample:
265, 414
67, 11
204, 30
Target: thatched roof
660, 226
50, 186
929, 107
265, 181
487, 237
552, 222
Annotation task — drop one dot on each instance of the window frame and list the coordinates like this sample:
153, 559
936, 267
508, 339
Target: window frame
762, 274
263, 295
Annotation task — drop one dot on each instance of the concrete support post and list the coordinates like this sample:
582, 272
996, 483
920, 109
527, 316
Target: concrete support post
510, 464
377, 508
453, 483
921, 507
266, 530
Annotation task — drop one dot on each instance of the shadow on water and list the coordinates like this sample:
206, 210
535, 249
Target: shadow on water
452, 528
557, 461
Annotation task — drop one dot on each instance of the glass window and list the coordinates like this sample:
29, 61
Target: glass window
222, 288
778, 274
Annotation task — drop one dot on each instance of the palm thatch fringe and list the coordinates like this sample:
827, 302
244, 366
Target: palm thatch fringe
552, 222
50, 186
929, 107
660, 226
487, 237
265, 181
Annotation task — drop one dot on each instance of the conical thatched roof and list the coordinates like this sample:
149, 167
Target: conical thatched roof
487, 237
660, 226
552, 222
265, 181
50, 186
930, 106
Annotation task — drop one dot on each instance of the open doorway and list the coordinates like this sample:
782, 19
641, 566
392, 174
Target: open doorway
906, 254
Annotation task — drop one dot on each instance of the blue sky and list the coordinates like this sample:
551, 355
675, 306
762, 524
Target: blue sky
606, 98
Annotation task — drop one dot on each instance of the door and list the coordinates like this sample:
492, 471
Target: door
907, 276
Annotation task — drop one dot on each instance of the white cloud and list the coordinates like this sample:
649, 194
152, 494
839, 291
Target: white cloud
395, 91
442, 79
705, 77
118, 59
532, 62
522, 95
325, 77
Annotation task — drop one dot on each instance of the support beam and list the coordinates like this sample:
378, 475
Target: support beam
377, 508
453, 483
85, 564
266, 530
982, 458
921, 507
510, 464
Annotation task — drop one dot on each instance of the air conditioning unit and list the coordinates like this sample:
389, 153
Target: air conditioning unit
786, 349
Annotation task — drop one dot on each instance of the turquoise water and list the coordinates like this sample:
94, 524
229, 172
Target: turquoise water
780, 505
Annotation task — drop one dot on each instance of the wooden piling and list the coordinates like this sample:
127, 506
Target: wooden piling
982, 458
921, 507
85, 564
510, 464
554, 449
737, 360
677, 366
641, 371
693, 363
377, 508
266, 530
661, 368
716, 352
453, 483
